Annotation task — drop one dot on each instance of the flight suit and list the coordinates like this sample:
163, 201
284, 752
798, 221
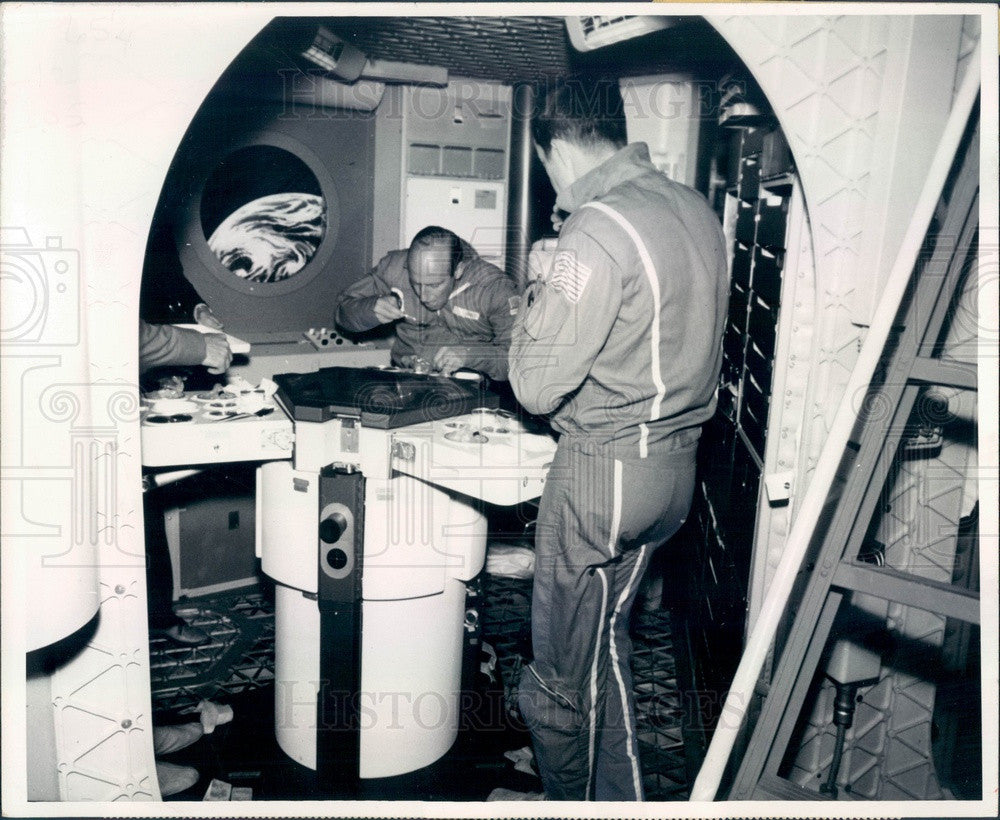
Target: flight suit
620, 342
168, 345
478, 316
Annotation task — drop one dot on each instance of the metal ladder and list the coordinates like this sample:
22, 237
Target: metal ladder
909, 363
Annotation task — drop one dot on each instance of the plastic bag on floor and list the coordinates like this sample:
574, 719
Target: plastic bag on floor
212, 714
521, 758
488, 661
510, 561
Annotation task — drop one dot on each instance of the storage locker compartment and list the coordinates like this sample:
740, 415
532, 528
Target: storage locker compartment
719, 442
742, 258
739, 301
767, 275
753, 415
746, 222
755, 398
775, 156
732, 350
749, 178
762, 327
759, 367
772, 216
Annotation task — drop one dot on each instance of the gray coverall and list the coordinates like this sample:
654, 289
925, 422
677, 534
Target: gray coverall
621, 343
478, 316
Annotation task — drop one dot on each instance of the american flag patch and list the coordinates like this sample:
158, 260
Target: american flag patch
569, 275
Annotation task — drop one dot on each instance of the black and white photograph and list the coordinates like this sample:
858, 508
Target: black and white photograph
499, 410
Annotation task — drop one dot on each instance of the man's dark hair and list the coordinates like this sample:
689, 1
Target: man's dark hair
587, 113
436, 235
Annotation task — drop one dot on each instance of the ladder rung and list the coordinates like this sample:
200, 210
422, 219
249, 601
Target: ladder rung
949, 374
892, 585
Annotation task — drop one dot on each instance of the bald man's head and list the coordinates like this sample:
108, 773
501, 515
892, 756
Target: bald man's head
432, 262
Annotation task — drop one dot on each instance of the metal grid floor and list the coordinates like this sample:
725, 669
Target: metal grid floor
240, 657
658, 707
506, 625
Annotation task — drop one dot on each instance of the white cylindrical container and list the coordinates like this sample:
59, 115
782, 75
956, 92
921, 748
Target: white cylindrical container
296, 673
411, 668
410, 680
421, 545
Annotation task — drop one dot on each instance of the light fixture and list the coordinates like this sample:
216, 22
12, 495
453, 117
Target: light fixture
596, 31
334, 55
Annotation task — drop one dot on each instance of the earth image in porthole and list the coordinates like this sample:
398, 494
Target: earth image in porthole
271, 238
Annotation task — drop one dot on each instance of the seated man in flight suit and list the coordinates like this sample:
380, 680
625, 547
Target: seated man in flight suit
453, 309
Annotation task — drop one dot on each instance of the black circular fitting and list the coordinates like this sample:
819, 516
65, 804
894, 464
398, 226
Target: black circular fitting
331, 528
336, 558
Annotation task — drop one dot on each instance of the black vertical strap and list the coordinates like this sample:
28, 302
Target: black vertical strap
340, 555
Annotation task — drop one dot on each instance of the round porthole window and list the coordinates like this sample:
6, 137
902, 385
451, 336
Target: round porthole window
263, 214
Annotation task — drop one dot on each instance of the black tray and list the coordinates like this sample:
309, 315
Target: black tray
381, 398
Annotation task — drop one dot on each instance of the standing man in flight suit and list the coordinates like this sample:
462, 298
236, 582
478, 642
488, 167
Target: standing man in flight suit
620, 342
456, 310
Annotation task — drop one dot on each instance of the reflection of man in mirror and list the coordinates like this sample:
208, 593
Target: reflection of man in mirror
452, 309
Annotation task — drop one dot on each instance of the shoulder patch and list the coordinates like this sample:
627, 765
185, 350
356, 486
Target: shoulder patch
569, 275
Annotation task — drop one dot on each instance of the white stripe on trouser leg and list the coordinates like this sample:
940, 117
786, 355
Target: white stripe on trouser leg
593, 683
636, 782
616, 520
616, 510
549, 689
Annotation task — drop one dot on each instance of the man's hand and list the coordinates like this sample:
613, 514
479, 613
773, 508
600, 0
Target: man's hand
449, 359
387, 309
203, 316
218, 356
